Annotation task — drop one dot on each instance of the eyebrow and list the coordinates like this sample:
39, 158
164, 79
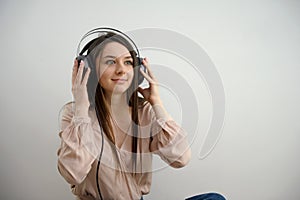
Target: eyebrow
110, 56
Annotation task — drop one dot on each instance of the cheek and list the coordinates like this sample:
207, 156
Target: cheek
104, 75
102, 72
130, 73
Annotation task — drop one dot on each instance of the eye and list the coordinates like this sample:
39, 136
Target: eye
128, 62
110, 62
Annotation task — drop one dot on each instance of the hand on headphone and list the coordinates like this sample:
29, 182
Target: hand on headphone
151, 93
79, 89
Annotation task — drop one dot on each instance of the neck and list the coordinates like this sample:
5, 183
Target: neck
119, 109
117, 101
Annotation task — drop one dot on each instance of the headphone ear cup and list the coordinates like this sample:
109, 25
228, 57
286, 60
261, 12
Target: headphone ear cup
79, 59
92, 80
85, 60
141, 66
86, 63
140, 75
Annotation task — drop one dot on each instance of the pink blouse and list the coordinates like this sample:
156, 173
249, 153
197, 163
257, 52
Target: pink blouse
118, 178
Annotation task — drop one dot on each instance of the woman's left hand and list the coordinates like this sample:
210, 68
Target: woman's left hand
151, 93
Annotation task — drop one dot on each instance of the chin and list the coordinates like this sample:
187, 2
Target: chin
120, 89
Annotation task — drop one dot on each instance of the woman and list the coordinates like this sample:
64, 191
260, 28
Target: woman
114, 161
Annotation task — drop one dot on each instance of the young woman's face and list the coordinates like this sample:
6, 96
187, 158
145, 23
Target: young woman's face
115, 68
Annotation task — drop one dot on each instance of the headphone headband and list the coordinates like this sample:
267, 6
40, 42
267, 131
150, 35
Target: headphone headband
104, 30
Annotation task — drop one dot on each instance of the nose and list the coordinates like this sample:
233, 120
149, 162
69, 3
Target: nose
120, 68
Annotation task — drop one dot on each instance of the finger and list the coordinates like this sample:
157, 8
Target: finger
86, 76
79, 74
148, 78
146, 64
74, 72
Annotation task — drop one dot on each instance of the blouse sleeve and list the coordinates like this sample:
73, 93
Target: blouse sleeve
76, 152
169, 142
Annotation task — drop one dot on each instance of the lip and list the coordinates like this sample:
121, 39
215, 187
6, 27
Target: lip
119, 80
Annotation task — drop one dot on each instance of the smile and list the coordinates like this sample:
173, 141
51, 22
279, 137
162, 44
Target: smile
119, 80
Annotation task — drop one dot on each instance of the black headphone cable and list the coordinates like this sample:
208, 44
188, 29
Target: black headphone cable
100, 156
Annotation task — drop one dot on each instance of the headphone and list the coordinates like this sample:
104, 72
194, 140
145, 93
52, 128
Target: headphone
92, 44
108, 33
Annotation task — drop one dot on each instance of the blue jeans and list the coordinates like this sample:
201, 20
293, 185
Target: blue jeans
206, 196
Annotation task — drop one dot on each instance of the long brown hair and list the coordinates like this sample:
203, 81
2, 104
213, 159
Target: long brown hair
97, 94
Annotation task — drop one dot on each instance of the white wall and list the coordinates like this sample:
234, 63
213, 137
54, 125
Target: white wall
254, 46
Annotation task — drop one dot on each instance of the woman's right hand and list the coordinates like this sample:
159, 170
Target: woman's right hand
79, 89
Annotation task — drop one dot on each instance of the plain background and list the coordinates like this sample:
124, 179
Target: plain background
253, 44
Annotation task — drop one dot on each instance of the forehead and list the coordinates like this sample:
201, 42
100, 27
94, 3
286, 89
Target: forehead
115, 49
